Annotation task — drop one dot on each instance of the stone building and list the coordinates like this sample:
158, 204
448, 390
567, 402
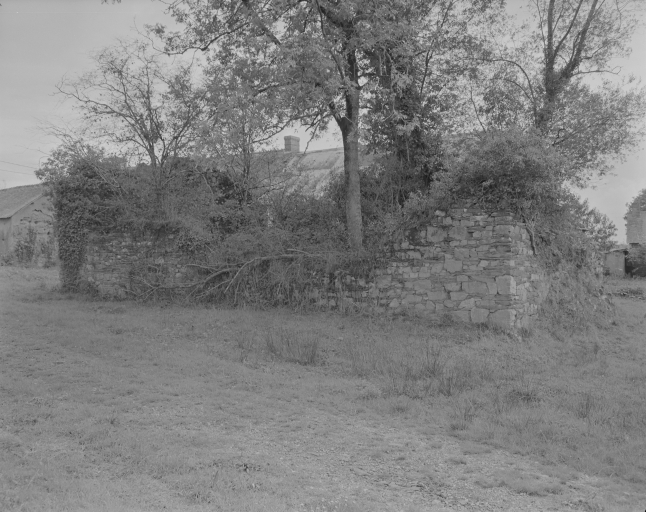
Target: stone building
20, 208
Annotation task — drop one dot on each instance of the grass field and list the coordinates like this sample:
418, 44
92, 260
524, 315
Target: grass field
126, 406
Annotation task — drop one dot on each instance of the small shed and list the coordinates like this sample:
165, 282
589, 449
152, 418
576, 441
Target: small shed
615, 261
21, 207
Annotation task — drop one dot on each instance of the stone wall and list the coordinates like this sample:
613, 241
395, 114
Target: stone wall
473, 266
122, 266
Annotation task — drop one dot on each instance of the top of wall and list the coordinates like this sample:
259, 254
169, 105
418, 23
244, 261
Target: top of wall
14, 199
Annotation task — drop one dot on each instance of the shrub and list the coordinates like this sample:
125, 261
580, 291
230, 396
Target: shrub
25, 248
636, 261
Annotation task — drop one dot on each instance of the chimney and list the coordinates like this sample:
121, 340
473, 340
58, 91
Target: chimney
292, 144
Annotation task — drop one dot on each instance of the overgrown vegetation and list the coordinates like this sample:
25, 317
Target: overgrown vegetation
521, 173
636, 261
28, 249
507, 129
25, 248
246, 397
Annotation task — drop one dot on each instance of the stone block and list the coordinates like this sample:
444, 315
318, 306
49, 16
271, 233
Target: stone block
492, 288
453, 266
462, 278
458, 296
505, 318
412, 299
394, 303
506, 285
453, 287
467, 304
461, 254
437, 295
479, 315
434, 234
503, 229
458, 233
475, 288
424, 285
449, 304
437, 268
462, 316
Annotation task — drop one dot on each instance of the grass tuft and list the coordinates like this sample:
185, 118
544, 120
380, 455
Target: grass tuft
291, 345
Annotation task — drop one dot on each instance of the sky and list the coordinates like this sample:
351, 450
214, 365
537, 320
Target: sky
43, 40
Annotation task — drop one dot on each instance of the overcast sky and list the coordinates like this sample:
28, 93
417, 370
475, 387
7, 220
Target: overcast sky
43, 40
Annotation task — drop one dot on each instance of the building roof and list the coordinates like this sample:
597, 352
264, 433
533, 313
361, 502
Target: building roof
15, 199
311, 171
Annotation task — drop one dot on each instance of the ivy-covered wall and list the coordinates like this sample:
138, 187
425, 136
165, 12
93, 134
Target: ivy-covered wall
474, 266
120, 265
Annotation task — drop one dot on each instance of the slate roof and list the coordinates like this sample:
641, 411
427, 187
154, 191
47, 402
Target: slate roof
310, 171
15, 199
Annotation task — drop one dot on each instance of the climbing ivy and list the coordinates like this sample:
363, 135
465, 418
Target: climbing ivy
81, 201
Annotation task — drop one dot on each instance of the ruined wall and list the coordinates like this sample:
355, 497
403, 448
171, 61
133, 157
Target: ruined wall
122, 266
473, 266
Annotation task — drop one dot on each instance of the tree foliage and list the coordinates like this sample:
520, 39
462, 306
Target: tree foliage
324, 56
558, 77
82, 201
135, 103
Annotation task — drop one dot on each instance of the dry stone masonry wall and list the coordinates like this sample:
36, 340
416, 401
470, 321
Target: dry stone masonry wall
122, 266
473, 266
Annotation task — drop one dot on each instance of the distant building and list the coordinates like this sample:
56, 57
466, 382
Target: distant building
307, 171
21, 207
615, 261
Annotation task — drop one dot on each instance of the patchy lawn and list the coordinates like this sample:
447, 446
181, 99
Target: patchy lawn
124, 406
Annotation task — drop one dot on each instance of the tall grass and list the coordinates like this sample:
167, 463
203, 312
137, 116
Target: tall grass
507, 391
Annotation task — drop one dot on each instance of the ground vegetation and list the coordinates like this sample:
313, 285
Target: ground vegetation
142, 406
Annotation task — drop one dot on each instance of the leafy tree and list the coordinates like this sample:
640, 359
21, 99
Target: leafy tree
559, 79
133, 103
238, 128
323, 55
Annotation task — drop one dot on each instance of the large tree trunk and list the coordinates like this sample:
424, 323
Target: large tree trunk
350, 133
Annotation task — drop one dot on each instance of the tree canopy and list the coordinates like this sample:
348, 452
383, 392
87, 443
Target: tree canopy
326, 57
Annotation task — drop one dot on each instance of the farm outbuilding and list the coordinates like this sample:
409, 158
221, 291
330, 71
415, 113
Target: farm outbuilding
615, 261
21, 207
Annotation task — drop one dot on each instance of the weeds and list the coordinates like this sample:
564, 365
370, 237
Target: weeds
294, 346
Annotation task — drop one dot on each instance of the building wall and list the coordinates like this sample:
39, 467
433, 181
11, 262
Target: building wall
615, 263
5, 236
474, 266
37, 214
